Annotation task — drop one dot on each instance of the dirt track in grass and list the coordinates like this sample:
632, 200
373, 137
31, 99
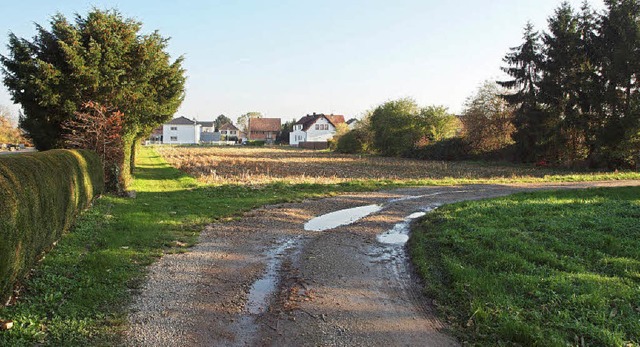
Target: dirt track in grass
263, 280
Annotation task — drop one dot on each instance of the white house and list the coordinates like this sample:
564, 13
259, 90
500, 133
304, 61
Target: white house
314, 130
181, 131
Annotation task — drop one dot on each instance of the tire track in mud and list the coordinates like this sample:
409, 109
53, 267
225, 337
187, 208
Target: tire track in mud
265, 280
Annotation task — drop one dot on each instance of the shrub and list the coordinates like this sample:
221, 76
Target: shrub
451, 149
459, 149
255, 143
355, 141
40, 196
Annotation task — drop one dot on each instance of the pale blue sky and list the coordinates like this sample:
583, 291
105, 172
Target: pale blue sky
289, 58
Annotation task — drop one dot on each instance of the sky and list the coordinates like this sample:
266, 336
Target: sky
290, 58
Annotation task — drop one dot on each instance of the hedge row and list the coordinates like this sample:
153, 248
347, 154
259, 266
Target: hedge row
40, 196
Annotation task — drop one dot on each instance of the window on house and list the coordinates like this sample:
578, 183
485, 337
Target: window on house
317, 126
174, 138
174, 128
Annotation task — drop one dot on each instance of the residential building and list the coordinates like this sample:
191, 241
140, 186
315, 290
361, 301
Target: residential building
207, 126
156, 136
230, 132
314, 131
351, 123
180, 131
263, 129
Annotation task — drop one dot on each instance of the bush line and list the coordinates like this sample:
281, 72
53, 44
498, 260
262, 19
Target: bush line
40, 196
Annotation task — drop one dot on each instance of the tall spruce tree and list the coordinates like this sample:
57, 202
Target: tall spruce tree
590, 92
619, 39
102, 58
524, 65
560, 85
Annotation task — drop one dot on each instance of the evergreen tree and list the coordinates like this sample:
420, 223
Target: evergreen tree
101, 58
619, 39
560, 85
590, 82
524, 65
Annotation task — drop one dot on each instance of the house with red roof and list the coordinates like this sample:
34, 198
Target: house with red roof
315, 130
263, 129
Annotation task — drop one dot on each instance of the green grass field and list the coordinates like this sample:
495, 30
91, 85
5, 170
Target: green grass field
78, 294
536, 269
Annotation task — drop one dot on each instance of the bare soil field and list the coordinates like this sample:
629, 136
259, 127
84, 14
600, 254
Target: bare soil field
243, 165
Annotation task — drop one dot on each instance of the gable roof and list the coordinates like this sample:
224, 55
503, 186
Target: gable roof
181, 121
228, 126
308, 120
206, 124
264, 124
335, 119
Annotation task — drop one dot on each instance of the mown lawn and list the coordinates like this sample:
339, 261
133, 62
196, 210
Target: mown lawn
536, 269
78, 294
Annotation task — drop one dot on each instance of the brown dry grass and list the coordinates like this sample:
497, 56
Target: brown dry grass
244, 165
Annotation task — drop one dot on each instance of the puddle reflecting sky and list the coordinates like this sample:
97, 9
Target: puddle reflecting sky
339, 218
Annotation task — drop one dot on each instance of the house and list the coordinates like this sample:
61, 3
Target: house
230, 132
207, 126
314, 131
156, 136
264, 129
351, 123
208, 132
180, 131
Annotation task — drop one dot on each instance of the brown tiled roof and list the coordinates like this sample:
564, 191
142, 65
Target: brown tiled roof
264, 124
228, 126
335, 119
308, 120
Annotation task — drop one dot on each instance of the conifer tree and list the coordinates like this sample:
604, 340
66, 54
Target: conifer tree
101, 58
524, 66
560, 85
619, 38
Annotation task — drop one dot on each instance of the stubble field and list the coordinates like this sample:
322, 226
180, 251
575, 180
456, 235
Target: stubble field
258, 166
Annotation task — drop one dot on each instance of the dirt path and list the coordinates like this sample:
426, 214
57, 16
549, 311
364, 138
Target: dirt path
266, 281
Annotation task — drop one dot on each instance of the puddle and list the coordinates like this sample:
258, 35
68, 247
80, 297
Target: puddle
399, 234
351, 215
412, 197
340, 218
264, 287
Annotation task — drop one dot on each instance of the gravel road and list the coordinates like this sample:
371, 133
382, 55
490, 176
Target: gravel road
263, 280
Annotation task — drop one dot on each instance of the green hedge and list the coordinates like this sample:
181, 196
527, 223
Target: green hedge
255, 143
40, 196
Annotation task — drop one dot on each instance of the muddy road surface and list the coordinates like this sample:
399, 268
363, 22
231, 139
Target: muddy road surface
276, 277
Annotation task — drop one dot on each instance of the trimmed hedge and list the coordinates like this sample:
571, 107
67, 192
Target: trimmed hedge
40, 196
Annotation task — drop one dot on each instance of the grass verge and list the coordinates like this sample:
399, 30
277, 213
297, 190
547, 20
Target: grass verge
78, 293
536, 269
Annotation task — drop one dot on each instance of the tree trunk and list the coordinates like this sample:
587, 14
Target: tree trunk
132, 159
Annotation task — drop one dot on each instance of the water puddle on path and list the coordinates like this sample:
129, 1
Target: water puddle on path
263, 288
399, 234
339, 218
